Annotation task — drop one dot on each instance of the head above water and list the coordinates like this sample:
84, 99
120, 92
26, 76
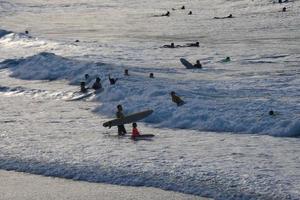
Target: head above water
271, 112
86, 76
151, 75
119, 107
98, 79
126, 72
134, 125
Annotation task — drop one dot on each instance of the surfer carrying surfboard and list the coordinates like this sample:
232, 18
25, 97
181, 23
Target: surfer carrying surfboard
120, 115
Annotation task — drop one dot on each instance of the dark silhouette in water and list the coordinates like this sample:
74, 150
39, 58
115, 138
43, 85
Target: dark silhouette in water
229, 16
126, 73
97, 85
190, 13
112, 80
169, 45
82, 87
176, 99
151, 75
196, 44
167, 14
198, 64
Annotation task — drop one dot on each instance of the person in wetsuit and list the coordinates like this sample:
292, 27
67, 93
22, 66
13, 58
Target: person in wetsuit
120, 115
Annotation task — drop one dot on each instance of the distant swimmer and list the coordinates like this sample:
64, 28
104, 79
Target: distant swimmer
182, 7
77, 41
167, 14
169, 45
229, 16
27, 32
126, 73
112, 80
196, 44
198, 64
151, 75
227, 59
284, 9
176, 99
83, 89
97, 85
190, 13
86, 76
271, 112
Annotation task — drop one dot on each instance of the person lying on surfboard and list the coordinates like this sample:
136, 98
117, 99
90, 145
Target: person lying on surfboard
196, 44
176, 99
119, 114
135, 131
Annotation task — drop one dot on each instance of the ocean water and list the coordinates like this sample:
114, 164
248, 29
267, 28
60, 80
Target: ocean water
222, 143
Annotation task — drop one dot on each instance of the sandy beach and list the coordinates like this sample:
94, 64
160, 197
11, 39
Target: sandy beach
22, 186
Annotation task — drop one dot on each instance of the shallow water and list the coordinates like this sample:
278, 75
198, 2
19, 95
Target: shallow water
219, 144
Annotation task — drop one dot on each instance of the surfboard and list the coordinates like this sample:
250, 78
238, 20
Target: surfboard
128, 119
143, 136
85, 95
186, 63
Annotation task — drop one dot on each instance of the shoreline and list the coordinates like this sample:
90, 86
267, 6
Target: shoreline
23, 186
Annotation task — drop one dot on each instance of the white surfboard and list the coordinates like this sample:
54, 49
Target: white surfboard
85, 95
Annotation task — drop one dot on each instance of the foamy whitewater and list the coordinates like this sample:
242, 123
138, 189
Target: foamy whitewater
222, 143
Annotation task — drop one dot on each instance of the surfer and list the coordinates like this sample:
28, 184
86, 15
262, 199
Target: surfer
176, 99
196, 44
167, 14
198, 64
97, 85
126, 72
135, 132
151, 75
229, 16
112, 80
82, 87
169, 45
227, 59
120, 115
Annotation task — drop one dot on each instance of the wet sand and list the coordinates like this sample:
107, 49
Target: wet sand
22, 186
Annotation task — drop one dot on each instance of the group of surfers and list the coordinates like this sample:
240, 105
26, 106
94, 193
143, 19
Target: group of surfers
119, 114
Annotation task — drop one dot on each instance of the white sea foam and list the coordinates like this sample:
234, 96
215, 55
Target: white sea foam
211, 105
